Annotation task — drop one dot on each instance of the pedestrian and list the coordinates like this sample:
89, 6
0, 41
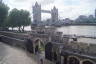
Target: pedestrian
41, 58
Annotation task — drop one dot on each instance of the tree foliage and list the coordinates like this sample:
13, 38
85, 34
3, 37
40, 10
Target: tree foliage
19, 18
25, 19
3, 14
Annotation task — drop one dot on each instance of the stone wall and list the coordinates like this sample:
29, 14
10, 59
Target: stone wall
48, 62
81, 47
14, 35
17, 40
92, 49
13, 41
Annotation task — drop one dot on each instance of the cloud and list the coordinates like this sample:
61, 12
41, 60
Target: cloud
66, 8
75, 8
47, 2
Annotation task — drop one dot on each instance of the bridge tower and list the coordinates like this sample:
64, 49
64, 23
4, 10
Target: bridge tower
54, 15
36, 13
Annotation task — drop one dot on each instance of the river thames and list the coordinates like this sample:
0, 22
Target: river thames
81, 31
78, 30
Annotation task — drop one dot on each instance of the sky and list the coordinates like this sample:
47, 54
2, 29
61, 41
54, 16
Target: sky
66, 8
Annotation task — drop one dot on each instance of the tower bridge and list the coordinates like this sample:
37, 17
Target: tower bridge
37, 14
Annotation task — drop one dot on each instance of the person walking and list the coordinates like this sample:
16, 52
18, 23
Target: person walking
41, 58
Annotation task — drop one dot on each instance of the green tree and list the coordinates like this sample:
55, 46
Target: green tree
19, 18
3, 14
25, 18
12, 19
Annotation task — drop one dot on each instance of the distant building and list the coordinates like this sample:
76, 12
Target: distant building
67, 21
81, 19
95, 13
91, 17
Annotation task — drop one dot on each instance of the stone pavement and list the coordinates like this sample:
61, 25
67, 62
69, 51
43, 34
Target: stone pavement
12, 55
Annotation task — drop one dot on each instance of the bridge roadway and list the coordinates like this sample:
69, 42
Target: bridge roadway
12, 55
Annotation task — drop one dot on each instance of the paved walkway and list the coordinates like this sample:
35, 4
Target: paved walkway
11, 55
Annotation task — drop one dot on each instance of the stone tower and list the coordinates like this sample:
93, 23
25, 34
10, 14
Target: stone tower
37, 13
54, 14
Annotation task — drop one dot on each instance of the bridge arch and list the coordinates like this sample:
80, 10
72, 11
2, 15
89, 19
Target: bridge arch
38, 40
73, 60
87, 61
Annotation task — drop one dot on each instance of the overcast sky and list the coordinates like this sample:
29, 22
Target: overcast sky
67, 8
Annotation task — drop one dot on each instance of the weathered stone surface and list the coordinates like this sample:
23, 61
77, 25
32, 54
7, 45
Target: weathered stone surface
10, 55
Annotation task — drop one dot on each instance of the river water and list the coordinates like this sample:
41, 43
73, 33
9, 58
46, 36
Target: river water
78, 30
81, 31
